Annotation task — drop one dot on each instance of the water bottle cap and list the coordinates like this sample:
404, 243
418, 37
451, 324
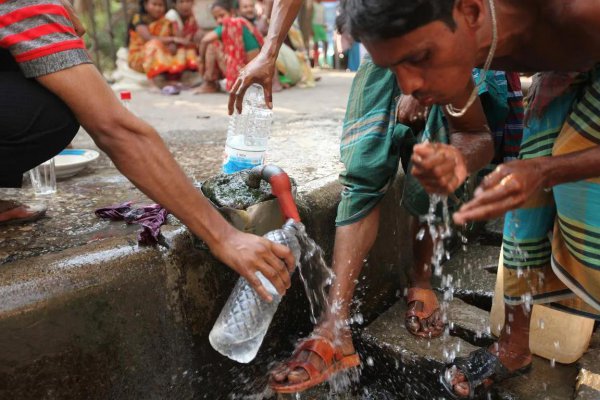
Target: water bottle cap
125, 95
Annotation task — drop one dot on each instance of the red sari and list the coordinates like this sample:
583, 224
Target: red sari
233, 46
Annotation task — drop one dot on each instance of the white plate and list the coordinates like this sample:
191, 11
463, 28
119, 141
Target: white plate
70, 161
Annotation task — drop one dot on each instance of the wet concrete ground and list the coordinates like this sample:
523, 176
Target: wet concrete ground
305, 140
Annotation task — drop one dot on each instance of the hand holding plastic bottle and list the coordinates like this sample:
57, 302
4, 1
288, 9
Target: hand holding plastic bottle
247, 254
260, 71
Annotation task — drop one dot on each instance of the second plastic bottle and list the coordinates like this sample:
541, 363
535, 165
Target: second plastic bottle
248, 133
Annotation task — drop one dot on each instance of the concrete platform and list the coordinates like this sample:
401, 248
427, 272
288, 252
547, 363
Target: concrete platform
305, 142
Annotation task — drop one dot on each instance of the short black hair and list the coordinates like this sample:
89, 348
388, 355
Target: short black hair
385, 19
143, 2
224, 4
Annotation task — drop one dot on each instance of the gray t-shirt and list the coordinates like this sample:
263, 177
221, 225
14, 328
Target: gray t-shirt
40, 36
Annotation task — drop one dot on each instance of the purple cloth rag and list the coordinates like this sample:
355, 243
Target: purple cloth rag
150, 217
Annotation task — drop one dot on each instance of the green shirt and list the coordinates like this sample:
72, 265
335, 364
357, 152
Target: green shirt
250, 42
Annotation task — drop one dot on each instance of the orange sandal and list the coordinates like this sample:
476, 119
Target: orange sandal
430, 305
333, 362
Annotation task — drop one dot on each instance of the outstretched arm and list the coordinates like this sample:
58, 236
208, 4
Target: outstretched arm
513, 183
140, 154
262, 68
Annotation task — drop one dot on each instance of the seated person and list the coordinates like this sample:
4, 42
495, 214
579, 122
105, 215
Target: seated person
246, 9
227, 49
187, 34
153, 44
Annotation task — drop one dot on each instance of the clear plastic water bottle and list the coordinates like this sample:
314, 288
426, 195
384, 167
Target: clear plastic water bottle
248, 133
245, 318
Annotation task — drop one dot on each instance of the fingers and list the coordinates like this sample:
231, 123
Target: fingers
258, 287
435, 170
492, 179
492, 203
239, 94
233, 95
280, 269
423, 150
276, 274
268, 89
285, 254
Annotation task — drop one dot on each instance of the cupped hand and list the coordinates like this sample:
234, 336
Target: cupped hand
261, 71
505, 189
440, 168
411, 112
248, 254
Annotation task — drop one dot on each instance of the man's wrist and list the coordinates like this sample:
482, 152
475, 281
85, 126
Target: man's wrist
546, 170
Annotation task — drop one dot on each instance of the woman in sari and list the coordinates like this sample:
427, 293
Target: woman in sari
227, 49
187, 31
153, 45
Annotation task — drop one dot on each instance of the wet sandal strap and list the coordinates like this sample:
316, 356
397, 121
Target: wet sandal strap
479, 366
321, 347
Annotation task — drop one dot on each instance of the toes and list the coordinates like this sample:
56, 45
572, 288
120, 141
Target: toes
279, 374
462, 389
297, 376
413, 324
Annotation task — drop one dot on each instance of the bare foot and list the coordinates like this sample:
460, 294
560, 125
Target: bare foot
208, 87
512, 358
423, 317
13, 212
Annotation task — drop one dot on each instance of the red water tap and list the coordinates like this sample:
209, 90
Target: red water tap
281, 187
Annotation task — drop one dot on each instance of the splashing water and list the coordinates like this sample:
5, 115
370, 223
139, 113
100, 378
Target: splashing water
439, 230
316, 276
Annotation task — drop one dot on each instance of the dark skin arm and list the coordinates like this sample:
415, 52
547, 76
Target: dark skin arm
143, 31
170, 41
261, 69
140, 154
511, 184
442, 168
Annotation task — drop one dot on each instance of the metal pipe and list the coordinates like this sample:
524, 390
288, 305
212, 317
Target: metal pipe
281, 187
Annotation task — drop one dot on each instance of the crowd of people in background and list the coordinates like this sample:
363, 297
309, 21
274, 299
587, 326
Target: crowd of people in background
167, 44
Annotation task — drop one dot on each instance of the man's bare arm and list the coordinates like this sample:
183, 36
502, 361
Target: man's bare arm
283, 14
262, 68
140, 154
513, 183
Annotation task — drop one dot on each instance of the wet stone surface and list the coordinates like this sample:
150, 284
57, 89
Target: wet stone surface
410, 367
407, 365
472, 274
305, 142
590, 374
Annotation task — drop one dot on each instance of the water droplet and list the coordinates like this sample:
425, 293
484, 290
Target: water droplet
358, 318
370, 361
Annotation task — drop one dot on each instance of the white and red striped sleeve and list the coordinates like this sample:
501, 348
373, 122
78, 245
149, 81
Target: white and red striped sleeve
40, 36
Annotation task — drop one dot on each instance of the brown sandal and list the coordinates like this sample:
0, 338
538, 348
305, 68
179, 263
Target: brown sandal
333, 362
31, 212
430, 305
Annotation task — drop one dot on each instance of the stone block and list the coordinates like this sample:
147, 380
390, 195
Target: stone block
472, 274
588, 387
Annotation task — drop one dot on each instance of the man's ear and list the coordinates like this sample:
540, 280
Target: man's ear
471, 11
